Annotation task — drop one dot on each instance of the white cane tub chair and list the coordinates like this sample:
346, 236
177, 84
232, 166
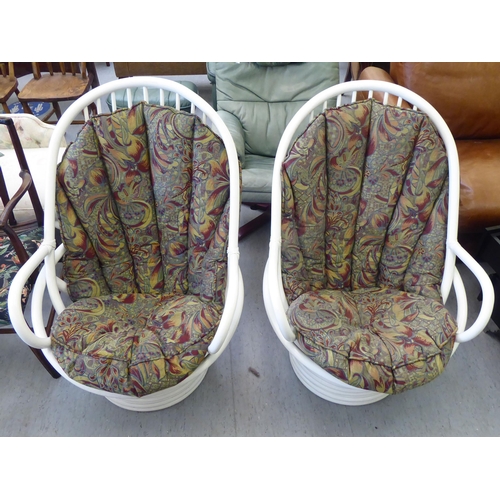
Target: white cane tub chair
363, 245
148, 207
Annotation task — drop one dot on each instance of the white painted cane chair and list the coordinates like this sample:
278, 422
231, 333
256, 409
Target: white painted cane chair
195, 280
369, 319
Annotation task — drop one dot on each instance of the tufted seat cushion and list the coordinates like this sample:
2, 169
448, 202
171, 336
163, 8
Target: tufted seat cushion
365, 192
143, 204
134, 343
378, 339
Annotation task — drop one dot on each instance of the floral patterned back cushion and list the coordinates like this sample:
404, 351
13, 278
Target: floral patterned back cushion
143, 202
365, 205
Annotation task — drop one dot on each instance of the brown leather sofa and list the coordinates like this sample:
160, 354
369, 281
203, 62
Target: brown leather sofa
467, 95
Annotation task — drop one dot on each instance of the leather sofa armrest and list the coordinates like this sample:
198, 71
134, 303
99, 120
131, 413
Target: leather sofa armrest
237, 132
374, 73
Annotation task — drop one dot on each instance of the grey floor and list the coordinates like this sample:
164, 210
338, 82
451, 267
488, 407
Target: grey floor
234, 401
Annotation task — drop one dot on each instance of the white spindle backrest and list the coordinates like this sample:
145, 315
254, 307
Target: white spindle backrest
113, 101
353, 97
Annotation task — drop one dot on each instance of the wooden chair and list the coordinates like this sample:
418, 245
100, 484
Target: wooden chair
34, 136
8, 84
66, 85
19, 241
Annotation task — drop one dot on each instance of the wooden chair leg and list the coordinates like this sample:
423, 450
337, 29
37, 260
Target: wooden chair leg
26, 108
43, 360
57, 109
53, 372
256, 223
93, 109
4, 196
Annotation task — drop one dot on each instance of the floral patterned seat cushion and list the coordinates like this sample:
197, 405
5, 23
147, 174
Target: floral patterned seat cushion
134, 344
143, 202
378, 338
364, 228
9, 265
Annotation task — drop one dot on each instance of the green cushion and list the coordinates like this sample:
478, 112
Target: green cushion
257, 100
256, 179
265, 96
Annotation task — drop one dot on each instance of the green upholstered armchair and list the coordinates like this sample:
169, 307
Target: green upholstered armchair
256, 100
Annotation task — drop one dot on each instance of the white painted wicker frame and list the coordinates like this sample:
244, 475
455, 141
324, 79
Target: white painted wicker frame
309, 373
50, 255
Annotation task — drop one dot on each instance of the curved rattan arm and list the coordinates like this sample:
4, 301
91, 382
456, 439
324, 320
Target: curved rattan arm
15, 292
232, 308
488, 295
274, 298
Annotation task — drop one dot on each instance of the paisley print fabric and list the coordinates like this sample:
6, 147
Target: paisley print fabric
363, 242
142, 199
134, 344
376, 338
10, 264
